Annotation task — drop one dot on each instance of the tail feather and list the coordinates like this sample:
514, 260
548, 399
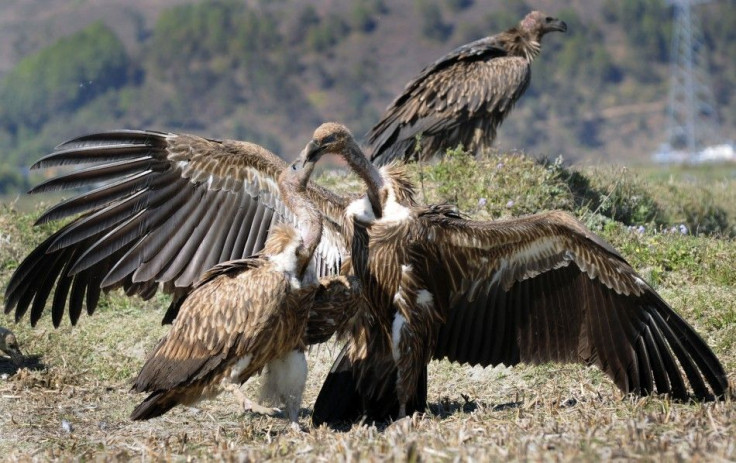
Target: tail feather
156, 404
340, 400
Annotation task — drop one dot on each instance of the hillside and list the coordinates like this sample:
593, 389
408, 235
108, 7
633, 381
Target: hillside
271, 71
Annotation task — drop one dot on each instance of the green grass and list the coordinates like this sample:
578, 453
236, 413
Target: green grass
546, 412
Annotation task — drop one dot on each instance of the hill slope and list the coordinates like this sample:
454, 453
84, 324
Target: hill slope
271, 71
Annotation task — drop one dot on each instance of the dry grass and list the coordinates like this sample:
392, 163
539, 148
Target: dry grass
77, 407
72, 401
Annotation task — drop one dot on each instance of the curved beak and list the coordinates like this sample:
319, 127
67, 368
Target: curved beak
310, 154
557, 25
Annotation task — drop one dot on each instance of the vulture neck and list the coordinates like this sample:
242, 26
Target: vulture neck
523, 43
369, 173
293, 188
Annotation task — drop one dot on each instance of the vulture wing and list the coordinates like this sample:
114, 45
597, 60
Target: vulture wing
545, 289
332, 304
471, 89
159, 208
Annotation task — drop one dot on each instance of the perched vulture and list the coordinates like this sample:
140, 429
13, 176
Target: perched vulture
541, 288
9, 346
462, 97
244, 316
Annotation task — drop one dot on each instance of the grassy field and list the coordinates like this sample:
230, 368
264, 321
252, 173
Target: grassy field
72, 399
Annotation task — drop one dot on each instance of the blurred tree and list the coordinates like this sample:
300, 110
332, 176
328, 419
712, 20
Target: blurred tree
433, 24
63, 77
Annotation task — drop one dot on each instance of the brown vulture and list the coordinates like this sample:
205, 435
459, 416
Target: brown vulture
461, 98
9, 346
158, 212
242, 317
541, 288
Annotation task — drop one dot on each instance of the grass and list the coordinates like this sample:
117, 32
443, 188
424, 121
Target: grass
73, 400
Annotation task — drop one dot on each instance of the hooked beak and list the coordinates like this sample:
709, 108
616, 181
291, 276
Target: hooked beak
558, 25
310, 154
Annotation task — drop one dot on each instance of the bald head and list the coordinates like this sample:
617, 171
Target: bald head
538, 23
329, 138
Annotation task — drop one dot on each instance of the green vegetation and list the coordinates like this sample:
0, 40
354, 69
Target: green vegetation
56, 82
249, 70
63, 77
565, 412
512, 184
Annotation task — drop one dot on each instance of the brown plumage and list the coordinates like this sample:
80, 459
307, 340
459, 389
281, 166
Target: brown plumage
164, 208
9, 346
242, 317
542, 288
462, 97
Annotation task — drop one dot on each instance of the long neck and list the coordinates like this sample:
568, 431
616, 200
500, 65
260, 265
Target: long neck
308, 218
369, 174
523, 43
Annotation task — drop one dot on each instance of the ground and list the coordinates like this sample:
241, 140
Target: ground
71, 399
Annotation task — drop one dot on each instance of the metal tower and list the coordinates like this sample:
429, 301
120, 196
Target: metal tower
692, 120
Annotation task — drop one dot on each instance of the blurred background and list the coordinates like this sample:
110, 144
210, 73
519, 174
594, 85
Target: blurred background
271, 71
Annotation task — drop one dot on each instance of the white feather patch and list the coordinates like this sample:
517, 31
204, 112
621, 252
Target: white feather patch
283, 382
286, 262
398, 325
360, 210
425, 298
240, 366
392, 210
399, 298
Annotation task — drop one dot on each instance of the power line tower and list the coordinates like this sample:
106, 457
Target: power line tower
692, 119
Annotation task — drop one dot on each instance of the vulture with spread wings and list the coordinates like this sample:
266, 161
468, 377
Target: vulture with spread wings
462, 97
163, 208
535, 289
244, 317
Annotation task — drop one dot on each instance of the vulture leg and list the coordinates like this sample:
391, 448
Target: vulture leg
284, 380
413, 329
247, 405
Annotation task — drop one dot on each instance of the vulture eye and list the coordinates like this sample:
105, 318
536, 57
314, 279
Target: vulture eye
549, 19
328, 139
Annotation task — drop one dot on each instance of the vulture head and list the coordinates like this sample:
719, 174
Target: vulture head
296, 176
329, 138
538, 23
9, 345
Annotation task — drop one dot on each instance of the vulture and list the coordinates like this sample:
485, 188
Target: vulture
541, 288
163, 211
9, 346
242, 317
461, 98
421, 282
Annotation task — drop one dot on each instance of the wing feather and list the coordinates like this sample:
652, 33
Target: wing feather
543, 288
164, 207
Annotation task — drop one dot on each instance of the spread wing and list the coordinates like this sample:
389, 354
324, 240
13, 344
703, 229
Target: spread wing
544, 288
156, 209
470, 89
